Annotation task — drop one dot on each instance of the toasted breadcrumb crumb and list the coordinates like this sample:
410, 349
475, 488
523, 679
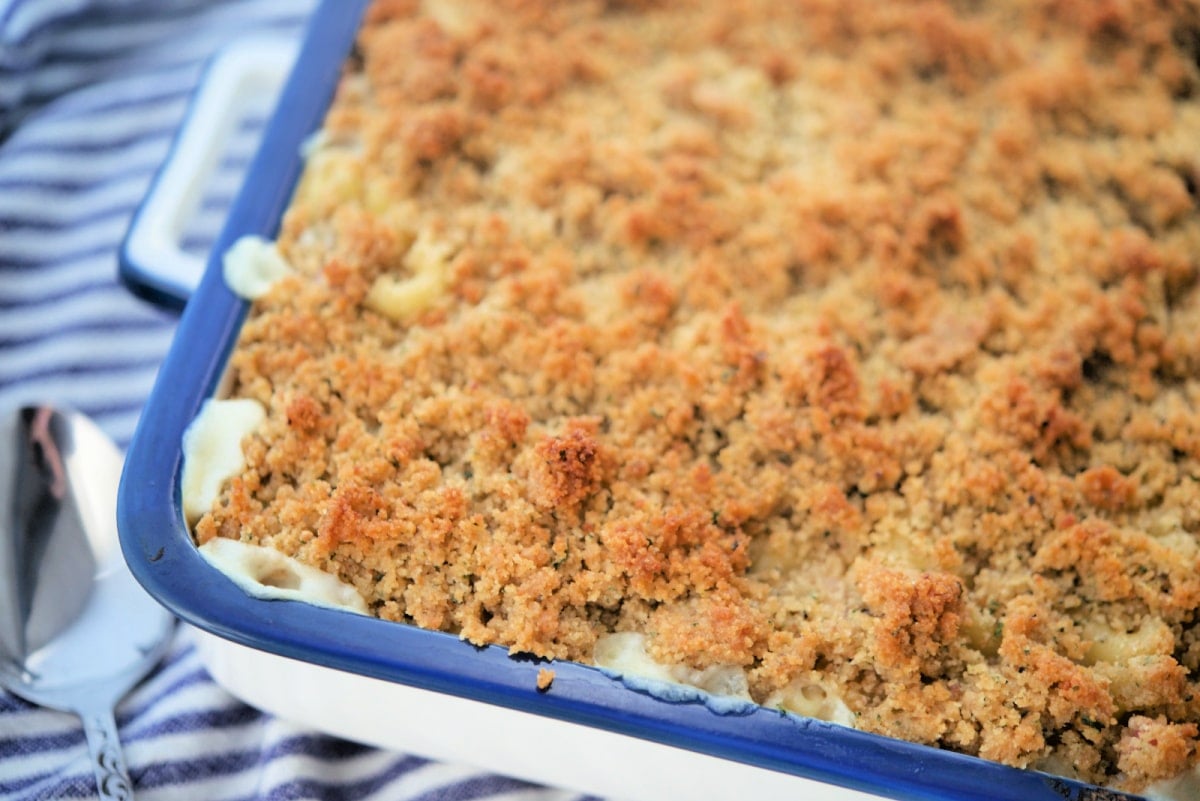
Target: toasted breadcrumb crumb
850, 338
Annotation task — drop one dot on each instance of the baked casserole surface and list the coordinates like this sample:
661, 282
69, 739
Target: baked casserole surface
852, 347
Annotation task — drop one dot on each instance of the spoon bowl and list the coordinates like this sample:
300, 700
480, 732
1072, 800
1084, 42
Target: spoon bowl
77, 631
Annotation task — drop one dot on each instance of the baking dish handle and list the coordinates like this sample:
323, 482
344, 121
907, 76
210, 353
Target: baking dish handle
152, 261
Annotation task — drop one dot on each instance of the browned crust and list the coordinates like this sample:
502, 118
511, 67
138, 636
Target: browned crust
831, 335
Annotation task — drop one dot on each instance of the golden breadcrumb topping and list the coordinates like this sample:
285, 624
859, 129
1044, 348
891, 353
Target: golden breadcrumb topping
827, 337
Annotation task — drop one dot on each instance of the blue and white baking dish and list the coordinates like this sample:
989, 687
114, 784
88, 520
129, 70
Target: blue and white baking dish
424, 692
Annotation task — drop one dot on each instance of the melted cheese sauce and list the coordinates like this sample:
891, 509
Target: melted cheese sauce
266, 573
252, 265
624, 653
212, 454
212, 451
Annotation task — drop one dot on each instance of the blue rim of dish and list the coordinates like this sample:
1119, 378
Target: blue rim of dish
161, 555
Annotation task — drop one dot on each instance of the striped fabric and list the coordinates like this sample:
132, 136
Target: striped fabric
91, 92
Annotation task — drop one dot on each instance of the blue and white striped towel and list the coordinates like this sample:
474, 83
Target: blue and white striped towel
91, 93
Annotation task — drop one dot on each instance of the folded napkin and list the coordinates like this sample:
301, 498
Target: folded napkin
91, 93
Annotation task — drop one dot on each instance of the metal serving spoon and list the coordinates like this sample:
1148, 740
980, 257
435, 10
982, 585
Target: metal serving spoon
76, 629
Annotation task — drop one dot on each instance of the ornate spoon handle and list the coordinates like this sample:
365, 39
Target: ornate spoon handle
112, 778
